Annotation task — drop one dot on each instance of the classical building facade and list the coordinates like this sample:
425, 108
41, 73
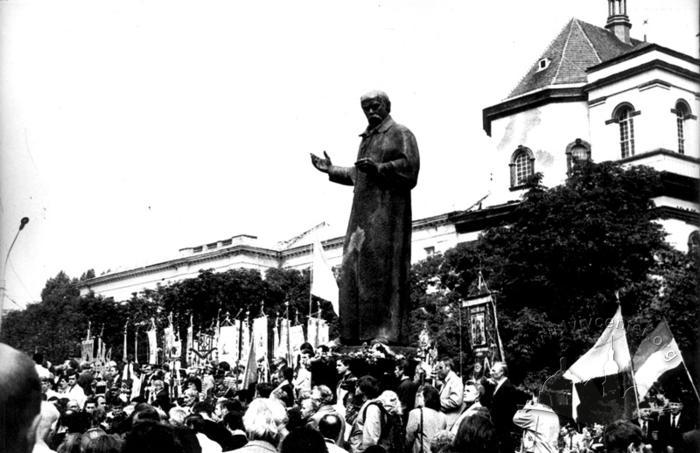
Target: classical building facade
595, 93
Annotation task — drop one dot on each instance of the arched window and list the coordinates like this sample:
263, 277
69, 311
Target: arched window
577, 151
522, 166
624, 115
682, 112
694, 242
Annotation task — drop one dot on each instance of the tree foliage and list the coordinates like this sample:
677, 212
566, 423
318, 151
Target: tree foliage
559, 265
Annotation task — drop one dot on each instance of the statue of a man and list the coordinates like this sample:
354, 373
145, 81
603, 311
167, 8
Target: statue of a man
374, 293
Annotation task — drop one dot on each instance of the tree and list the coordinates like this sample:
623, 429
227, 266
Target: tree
560, 263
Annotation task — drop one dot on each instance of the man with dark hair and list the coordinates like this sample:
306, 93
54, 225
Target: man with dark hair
406, 388
304, 439
622, 436
332, 427
75, 391
367, 427
374, 297
20, 401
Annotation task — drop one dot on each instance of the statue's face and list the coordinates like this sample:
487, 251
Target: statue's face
375, 110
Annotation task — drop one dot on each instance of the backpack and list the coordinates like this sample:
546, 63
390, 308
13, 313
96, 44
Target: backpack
392, 436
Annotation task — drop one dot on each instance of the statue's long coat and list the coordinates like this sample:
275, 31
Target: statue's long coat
374, 296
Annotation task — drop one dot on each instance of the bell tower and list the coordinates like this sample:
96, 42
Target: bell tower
618, 21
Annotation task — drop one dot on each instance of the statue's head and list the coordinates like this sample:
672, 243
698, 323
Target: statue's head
376, 105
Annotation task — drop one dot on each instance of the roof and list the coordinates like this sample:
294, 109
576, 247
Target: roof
577, 47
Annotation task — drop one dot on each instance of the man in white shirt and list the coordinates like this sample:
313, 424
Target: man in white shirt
75, 391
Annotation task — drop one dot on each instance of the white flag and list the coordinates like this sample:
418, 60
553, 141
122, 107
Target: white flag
260, 336
152, 346
228, 344
323, 283
609, 355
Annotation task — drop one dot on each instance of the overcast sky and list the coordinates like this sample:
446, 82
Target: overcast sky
130, 129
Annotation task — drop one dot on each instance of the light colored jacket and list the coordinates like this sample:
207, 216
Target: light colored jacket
451, 395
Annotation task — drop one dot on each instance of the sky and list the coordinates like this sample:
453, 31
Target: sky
131, 129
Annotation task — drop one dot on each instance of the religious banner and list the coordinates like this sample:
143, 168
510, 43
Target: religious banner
190, 341
312, 331
260, 336
296, 339
283, 349
152, 344
276, 337
168, 341
323, 332
228, 344
482, 327
245, 341
87, 349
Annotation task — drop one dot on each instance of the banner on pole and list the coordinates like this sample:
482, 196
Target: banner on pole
260, 336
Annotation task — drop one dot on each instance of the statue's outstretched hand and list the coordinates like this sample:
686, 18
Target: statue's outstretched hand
321, 163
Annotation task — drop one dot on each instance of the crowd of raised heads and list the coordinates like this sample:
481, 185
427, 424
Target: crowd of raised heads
320, 404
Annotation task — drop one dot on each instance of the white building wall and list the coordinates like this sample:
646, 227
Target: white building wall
655, 127
547, 131
678, 233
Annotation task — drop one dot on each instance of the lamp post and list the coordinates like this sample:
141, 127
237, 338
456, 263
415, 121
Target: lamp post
22, 224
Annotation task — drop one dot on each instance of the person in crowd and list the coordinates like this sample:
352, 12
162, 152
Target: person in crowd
70, 444
304, 439
476, 434
672, 424
74, 390
47, 386
504, 402
332, 427
302, 382
177, 416
649, 425
103, 444
346, 385
442, 441
152, 437
322, 368
286, 376
406, 388
308, 407
190, 397
263, 390
473, 392
44, 431
622, 436
540, 427
20, 401
233, 421
367, 428
425, 421
323, 396
451, 392
196, 423
264, 423
571, 440
90, 405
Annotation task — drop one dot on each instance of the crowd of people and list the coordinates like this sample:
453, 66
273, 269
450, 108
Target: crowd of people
320, 404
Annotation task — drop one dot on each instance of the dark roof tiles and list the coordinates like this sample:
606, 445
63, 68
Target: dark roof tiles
577, 47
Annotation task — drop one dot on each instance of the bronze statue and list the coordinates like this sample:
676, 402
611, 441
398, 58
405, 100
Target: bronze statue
374, 295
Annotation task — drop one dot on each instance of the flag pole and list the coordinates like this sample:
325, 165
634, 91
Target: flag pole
634, 381
690, 377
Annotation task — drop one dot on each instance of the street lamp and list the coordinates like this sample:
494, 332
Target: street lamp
22, 224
